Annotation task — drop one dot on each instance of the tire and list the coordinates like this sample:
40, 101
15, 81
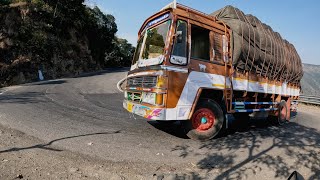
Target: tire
282, 112
206, 121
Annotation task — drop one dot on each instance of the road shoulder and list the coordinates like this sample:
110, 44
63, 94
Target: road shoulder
26, 157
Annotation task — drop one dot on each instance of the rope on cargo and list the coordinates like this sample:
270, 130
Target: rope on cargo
289, 63
241, 33
249, 47
255, 49
235, 10
282, 54
293, 65
299, 66
279, 68
271, 43
283, 62
285, 58
265, 49
275, 55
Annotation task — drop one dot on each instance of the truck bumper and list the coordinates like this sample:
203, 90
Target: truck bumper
150, 113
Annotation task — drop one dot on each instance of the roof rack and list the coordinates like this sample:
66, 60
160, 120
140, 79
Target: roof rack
189, 8
172, 5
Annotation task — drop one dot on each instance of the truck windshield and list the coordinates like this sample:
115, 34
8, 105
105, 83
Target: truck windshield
154, 44
138, 50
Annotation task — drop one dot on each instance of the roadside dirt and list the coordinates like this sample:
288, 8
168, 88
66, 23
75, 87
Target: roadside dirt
26, 157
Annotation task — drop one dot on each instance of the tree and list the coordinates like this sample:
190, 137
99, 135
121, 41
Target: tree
101, 31
121, 54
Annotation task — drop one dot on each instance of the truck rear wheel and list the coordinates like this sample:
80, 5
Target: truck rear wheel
206, 121
282, 112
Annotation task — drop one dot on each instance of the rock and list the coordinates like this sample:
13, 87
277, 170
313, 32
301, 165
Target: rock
173, 177
160, 177
20, 176
73, 170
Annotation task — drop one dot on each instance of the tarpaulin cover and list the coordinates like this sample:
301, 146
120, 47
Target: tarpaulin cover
258, 49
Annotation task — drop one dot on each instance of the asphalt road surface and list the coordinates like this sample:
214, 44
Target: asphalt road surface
72, 113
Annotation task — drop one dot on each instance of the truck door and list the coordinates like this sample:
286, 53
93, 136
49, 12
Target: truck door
206, 53
209, 61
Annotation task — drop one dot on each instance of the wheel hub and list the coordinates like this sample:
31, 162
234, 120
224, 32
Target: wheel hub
203, 119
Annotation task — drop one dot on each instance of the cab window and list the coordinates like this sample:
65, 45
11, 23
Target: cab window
179, 51
200, 43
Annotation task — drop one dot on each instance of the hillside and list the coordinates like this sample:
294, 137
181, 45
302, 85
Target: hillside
59, 37
311, 79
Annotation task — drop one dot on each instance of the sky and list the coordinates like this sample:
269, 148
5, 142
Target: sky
296, 20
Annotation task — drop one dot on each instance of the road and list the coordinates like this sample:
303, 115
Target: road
85, 115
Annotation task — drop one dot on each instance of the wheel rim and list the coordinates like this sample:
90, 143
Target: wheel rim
203, 119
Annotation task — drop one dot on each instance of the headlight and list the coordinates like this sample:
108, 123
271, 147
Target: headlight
149, 98
159, 99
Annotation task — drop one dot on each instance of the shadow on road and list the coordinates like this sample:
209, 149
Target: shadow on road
172, 128
299, 147
46, 146
23, 98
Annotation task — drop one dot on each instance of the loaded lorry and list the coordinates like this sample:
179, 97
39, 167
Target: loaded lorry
206, 69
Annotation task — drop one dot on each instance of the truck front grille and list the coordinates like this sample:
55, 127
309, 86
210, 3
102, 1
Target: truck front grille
144, 81
134, 96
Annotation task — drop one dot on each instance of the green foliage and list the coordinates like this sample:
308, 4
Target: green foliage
100, 29
5, 2
121, 54
59, 36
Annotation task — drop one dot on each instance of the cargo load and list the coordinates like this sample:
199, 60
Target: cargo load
258, 49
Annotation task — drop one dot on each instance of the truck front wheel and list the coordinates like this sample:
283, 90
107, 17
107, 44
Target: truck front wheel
206, 121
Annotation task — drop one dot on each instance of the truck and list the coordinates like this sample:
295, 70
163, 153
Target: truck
206, 70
